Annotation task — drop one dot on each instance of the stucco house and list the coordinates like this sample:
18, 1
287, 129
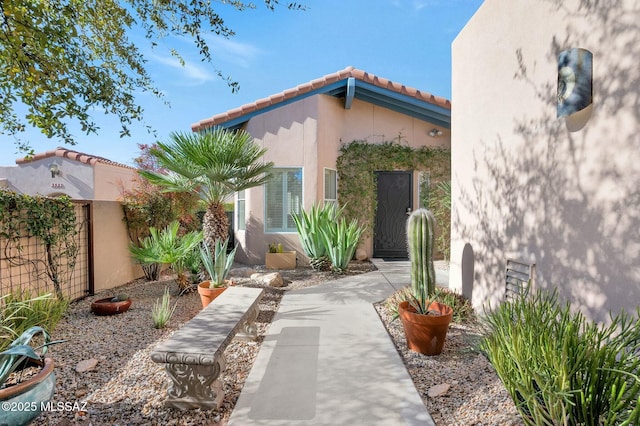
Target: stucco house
558, 192
303, 129
66, 172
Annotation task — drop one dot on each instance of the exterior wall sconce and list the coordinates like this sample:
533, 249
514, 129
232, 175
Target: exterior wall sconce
575, 84
434, 133
55, 170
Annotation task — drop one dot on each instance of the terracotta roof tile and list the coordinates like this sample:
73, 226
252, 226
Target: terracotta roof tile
317, 84
72, 155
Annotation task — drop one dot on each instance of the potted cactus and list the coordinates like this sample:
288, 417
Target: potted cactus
424, 320
217, 265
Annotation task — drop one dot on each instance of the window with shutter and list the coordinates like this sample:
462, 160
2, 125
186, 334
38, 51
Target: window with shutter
283, 196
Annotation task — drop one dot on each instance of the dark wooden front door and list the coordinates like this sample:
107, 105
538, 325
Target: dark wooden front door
394, 201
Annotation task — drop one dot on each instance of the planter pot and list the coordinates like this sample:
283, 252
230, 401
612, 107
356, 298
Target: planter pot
107, 307
208, 294
425, 333
284, 260
31, 393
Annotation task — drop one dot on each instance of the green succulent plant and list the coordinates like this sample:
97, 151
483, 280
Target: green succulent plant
19, 352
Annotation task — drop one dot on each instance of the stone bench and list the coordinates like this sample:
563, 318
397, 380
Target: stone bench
194, 355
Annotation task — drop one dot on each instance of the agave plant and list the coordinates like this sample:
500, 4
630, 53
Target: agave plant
217, 264
19, 352
309, 226
341, 239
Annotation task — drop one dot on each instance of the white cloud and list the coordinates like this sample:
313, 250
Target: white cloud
191, 73
415, 4
232, 51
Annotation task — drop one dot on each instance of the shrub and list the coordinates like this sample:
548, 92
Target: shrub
562, 369
167, 247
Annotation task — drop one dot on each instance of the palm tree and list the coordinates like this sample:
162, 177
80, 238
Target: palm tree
213, 165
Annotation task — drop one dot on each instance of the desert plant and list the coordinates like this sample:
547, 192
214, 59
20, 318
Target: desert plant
162, 311
420, 231
217, 264
309, 226
462, 309
562, 369
20, 311
167, 247
19, 352
121, 297
276, 248
213, 165
341, 239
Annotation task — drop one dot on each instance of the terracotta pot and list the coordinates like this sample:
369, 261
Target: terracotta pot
107, 307
425, 333
208, 294
30, 393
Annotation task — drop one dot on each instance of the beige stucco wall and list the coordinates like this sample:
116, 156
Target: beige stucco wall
562, 193
113, 265
110, 181
308, 134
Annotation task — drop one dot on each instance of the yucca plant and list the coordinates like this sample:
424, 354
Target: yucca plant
562, 369
167, 247
18, 353
341, 239
162, 311
217, 264
309, 226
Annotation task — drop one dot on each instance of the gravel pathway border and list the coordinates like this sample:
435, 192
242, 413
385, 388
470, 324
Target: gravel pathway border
127, 388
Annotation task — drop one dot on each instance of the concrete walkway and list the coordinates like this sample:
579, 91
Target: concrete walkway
328, 360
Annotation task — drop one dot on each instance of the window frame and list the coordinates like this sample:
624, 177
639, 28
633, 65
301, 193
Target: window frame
241, 222
283, 230
324, 184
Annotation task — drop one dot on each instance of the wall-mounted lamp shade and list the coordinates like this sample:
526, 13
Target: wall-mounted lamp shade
55, 170
575, 90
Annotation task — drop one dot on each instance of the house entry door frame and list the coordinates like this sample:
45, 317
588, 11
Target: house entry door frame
394, 203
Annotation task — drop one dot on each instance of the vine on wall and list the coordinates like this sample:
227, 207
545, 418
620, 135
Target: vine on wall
52, 222
359, 160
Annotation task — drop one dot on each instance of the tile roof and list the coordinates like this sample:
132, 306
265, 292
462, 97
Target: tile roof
72, 155
316, 85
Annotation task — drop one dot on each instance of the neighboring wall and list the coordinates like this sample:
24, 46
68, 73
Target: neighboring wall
562, 193
309, 133
113, 265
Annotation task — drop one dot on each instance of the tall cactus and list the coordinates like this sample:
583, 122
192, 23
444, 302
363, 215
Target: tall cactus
420, 237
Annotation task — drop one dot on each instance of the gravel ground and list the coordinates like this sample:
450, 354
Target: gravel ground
127, 388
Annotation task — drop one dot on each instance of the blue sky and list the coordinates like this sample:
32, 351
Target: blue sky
406, 41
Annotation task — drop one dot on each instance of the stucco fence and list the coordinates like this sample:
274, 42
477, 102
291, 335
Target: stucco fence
103, 260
